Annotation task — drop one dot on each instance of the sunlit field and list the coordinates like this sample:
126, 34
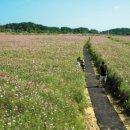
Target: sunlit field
125, 38
115, 54
41, 86
121, 39
117, 57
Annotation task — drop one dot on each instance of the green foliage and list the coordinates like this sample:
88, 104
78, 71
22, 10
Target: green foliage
65, 30
81, 30
117, 31
41, 86
117, 83
119, 40
29, 27
93, 31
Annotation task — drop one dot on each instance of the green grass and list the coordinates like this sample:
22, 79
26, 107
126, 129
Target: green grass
116, 56
119, 40
41, 86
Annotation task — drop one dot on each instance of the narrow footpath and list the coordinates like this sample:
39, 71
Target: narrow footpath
107, 118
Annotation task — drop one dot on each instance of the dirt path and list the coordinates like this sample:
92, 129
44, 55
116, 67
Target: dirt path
107, 118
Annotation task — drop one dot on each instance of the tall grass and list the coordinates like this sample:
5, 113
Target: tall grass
121, 39
41, 86
116, 56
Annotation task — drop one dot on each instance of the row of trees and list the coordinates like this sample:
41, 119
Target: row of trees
30, 27
118, 31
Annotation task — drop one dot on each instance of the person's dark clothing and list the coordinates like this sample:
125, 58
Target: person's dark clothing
82, 64
103, 70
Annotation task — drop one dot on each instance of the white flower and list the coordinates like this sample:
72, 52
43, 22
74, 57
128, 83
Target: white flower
9, 123
14, 121
126, 81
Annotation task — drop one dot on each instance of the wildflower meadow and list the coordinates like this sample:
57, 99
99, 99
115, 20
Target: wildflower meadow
41, 86
117, 57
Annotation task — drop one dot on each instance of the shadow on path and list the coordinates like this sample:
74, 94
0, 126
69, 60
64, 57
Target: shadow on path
107, 118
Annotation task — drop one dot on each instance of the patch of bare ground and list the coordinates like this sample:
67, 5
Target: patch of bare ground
91, 121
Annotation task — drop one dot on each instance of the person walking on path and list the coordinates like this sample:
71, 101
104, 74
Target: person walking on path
103, 75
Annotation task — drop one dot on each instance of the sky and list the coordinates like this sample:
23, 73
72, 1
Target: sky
93, 14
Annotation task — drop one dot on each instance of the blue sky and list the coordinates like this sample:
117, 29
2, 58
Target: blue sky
93, 14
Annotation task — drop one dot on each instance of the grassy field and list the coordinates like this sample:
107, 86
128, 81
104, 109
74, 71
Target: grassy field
117, 57
125, 38
121, 39
41, 87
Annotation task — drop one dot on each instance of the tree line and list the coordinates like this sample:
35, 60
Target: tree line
29, 27
117, 31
